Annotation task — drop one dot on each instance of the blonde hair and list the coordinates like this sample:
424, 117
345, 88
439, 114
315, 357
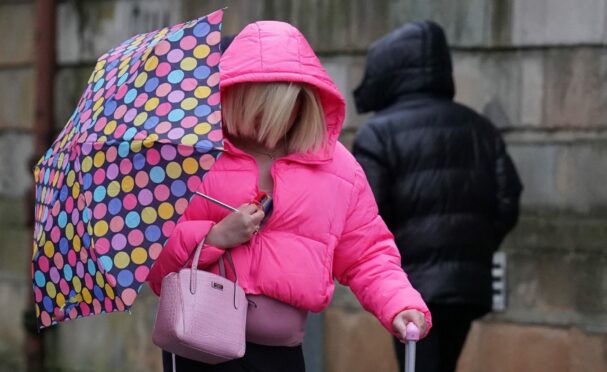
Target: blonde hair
264, 112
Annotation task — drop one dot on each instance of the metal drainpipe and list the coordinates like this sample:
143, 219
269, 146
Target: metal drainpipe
45, 72
45, 60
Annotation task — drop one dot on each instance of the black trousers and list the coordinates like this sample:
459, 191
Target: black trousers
439, 351
258, 358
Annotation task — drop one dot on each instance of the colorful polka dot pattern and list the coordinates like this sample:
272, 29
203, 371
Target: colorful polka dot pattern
112, 186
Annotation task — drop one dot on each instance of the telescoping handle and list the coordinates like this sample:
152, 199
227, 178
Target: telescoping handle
412, 338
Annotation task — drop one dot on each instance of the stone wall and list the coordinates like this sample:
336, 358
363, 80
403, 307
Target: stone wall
16, 144
537, 68
85, 30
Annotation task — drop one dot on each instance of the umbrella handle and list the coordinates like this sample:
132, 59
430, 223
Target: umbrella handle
412, 332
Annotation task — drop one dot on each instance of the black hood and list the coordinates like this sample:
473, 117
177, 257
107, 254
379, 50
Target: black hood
412, 59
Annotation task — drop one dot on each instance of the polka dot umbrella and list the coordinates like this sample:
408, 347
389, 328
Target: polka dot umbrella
112, 186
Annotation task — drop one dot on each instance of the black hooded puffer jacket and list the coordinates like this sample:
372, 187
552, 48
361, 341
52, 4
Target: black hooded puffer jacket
440, 172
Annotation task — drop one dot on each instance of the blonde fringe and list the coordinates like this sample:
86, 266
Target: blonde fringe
264, 112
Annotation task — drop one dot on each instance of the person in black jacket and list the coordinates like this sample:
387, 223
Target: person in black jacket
443, 180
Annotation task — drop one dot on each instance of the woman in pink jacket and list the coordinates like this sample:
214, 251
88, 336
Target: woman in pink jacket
282, 115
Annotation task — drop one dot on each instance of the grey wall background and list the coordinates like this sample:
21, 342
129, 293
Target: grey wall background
537, 68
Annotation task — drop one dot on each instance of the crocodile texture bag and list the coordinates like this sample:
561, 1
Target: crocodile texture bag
201, 315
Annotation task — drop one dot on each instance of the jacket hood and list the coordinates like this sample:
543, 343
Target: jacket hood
412, 59
271, 51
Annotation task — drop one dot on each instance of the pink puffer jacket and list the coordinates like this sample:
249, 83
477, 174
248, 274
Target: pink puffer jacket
324, 224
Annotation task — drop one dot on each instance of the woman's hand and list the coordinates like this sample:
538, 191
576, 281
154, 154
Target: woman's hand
236, 228
400, 323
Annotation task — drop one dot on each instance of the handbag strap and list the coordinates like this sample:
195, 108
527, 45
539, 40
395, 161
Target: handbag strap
222, 270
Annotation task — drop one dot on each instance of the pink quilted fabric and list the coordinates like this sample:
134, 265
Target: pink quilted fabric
325, 223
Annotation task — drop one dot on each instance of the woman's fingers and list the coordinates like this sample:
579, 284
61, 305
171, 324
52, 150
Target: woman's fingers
400, 325
255, 222
254, 213
257, 216
248, 209
420, 321
251, 216
238, 228
414, 316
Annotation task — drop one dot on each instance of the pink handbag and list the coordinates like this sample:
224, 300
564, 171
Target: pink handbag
201, 315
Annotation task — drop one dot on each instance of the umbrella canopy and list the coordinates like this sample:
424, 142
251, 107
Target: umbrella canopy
118, 177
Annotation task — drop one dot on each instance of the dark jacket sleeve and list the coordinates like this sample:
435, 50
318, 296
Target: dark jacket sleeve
509, 190
369, 149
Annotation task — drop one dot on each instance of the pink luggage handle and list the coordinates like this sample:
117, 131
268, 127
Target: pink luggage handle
412, 334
